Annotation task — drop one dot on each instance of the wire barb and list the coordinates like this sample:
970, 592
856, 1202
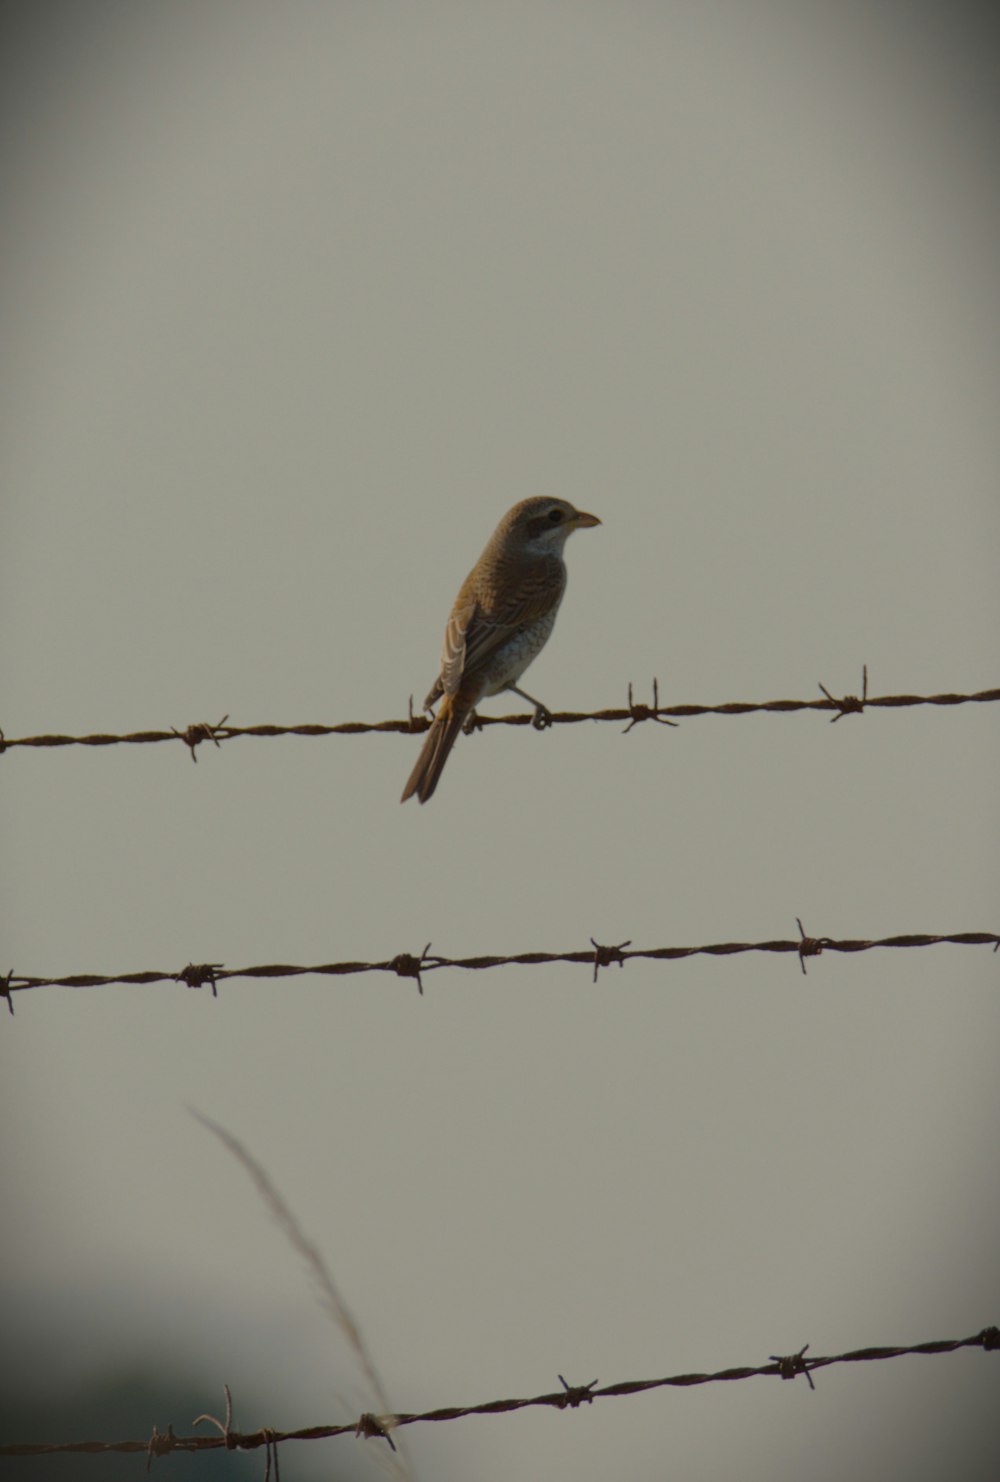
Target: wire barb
201, 731
270, 1453
850, 704
232, 1438
369, 1425
576, 1394
809, 946
792, 1364
640, 712
408, 966
160, 1444
419, 722
5, 990
605, 956
197, 975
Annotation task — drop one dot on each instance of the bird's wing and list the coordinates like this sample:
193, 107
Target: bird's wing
474, 632
453, 649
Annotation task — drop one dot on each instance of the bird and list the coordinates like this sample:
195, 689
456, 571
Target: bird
500, 621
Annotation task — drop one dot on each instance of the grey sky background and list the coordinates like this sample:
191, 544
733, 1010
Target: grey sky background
295, 302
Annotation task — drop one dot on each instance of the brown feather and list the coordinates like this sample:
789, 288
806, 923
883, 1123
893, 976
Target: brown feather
435, 751
500, 621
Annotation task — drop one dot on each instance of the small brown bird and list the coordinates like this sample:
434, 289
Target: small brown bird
501, 620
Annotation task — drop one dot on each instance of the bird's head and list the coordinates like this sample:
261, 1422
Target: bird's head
544, 525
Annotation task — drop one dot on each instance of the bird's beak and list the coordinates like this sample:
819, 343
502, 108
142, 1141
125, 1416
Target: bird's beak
583, 521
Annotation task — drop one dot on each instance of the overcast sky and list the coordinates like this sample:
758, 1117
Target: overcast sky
295, 302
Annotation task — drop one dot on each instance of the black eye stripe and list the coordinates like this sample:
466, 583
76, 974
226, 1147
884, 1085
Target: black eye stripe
539, 523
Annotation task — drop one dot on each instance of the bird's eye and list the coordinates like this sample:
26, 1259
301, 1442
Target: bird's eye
555, 515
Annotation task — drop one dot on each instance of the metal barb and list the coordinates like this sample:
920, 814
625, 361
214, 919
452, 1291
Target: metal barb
197, 975
576, 1394
408, 966
225, 1428
605, 956
640, 712
374, 1425
200, 731
418, 723
850, 704
809, 946
270, 1451
792, 1364
160, 1444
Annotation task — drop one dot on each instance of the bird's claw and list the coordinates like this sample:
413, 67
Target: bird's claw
542, 718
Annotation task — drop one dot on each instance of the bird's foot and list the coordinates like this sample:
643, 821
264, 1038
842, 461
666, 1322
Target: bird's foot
542, 718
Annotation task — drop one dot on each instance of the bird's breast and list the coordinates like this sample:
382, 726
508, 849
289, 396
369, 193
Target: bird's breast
511, 659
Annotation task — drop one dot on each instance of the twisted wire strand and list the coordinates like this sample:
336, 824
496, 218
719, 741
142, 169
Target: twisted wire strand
410, 965
570, 1397
634, 713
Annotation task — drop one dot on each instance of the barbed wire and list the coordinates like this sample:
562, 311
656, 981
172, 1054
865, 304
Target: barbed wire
634, 713
570, 1397
408, 965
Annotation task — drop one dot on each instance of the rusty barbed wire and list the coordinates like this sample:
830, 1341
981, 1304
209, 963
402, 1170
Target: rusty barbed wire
633, 713
570, 1397
409, 965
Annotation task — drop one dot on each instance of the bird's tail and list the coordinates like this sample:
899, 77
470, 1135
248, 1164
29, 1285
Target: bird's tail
435, 751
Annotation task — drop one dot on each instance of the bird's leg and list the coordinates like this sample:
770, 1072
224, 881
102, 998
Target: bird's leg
542, 717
